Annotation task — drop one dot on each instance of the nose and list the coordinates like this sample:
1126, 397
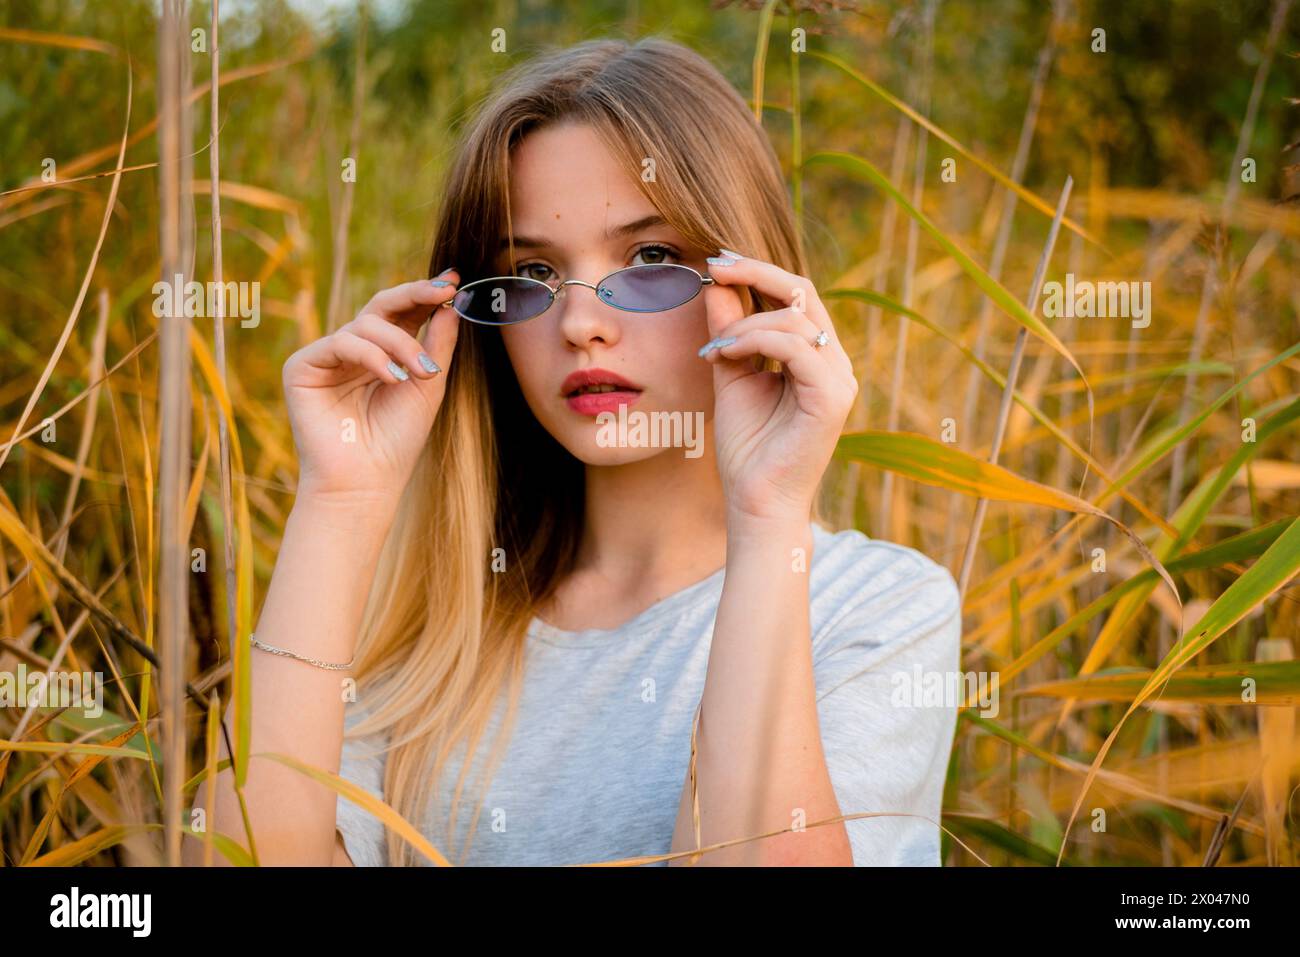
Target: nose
584, 319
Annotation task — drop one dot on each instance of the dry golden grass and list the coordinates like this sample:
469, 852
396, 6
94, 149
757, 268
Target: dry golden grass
1122, 688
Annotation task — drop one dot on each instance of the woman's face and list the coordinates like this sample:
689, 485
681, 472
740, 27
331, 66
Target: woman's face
582, 218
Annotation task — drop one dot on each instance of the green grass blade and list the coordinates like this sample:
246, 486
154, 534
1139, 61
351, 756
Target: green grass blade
1028, 196
922, 459
1000, 295
1274, 569
1276, 682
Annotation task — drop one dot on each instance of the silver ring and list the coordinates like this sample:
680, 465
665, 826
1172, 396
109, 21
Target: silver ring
821, 340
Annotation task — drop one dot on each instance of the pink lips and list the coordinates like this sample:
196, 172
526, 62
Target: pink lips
594, 403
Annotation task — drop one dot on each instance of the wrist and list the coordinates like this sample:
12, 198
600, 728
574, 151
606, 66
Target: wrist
368, 516
761, 505
743, 526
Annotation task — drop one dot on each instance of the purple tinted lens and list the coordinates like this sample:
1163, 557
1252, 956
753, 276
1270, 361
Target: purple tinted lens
502, 301
651, 288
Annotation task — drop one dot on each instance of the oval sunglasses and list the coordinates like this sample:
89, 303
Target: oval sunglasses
648, 287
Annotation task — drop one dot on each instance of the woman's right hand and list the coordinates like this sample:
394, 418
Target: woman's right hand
358, 426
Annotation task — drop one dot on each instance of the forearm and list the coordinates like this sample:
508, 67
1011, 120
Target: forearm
313, 607
758, 753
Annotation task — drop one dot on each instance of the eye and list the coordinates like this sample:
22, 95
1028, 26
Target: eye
654, 250
525, 270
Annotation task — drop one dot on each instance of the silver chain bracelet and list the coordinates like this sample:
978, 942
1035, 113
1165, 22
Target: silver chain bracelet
311, 661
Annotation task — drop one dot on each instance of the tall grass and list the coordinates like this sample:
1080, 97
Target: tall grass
1134, 482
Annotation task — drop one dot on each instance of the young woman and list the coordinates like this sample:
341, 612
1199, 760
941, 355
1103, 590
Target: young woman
507, 574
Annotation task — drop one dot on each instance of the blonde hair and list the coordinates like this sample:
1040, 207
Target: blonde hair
443, 635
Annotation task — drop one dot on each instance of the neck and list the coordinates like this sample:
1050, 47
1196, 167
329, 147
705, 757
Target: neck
662, 518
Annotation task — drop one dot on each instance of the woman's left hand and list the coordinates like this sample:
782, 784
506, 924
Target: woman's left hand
775, 431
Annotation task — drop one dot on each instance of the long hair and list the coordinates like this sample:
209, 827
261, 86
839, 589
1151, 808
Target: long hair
490, 522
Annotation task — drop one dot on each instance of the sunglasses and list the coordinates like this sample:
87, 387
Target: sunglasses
651, 287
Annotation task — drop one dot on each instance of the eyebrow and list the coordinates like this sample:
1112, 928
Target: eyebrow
627, 229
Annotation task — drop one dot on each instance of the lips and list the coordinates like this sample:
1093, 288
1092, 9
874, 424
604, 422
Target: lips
592, 391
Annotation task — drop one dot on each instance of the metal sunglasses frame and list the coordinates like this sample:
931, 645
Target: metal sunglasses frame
556, 290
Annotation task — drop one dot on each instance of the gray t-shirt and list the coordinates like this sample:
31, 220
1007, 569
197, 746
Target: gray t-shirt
595, 765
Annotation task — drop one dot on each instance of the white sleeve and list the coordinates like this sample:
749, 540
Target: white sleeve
363, 834
887, 752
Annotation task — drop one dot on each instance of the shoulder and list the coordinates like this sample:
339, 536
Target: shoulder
849, 556
870, 593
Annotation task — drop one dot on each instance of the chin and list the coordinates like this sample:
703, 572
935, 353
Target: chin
588, 451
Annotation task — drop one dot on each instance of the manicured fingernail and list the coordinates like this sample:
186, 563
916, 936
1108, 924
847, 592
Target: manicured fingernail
427, 364
395, 369
720, 261
728, 252
715, 344
439, 283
